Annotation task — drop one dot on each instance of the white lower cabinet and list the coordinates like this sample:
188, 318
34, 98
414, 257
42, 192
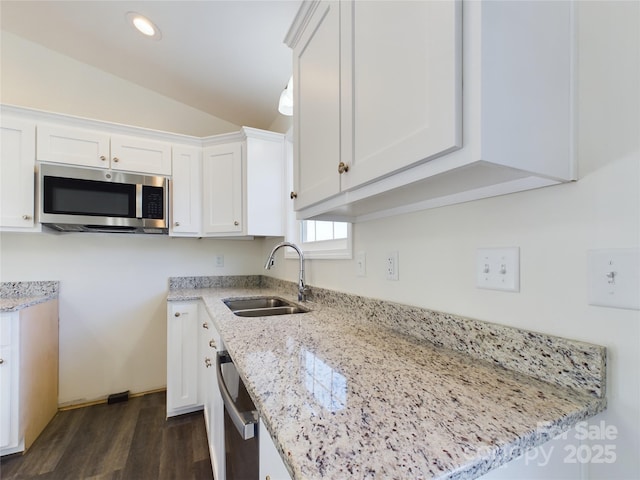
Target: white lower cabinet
213, 407
182, 358
28, 374
271, 464
9, 381
193, 343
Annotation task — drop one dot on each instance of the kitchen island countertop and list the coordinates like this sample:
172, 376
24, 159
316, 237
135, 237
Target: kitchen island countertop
346, 398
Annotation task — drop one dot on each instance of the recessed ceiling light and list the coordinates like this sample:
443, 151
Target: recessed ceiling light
144, 25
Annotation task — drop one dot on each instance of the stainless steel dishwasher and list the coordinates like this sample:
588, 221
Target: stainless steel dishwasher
240, 422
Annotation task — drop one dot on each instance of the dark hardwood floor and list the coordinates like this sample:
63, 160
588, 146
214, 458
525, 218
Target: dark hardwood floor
122, 441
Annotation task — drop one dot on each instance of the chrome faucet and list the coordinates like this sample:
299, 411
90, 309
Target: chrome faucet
303, 290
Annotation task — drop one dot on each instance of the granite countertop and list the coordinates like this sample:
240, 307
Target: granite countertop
15, 296
347, 396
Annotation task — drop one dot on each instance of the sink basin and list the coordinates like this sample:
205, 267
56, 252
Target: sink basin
262, 306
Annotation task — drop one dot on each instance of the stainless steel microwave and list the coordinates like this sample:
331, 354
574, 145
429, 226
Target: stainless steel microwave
79, 199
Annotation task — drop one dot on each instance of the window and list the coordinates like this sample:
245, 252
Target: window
316, 238
320, 231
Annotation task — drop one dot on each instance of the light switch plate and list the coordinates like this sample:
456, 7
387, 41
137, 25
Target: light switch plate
498, 269
361, 264
613, 278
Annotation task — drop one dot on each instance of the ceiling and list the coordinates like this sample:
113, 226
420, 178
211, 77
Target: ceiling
226, 58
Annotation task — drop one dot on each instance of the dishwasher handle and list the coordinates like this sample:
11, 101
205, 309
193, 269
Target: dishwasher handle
245, 422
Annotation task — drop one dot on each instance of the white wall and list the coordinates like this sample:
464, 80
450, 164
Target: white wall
554, 227
113, 291
34, 76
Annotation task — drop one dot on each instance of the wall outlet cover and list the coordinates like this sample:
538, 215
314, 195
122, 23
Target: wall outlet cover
498, 269
613, 278
391, 266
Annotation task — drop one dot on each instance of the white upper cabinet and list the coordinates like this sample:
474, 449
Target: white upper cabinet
186, 191
222, 189
17, 168
317, 107
92, 148
236, 188
401, 106
409, 110
140, 155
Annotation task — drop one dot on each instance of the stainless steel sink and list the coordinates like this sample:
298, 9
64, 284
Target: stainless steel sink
263, 306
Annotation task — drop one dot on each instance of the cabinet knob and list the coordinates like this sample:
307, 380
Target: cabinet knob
1, 361
342, 167
116, 159
236, 223
205, 325
103, 158
207, 362
212, 343
177, 224
26, 217
177, 314
293, 195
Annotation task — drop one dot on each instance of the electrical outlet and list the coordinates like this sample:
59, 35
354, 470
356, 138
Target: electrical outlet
219, 260
361, 264
498, 269
391, 266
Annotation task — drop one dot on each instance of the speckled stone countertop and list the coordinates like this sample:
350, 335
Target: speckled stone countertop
365, 389
18, 295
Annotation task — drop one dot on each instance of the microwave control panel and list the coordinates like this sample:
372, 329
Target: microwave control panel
152, 202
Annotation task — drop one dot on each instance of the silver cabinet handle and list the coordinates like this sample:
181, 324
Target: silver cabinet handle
116, 159
1, 361
103, 158
26, 217
212, 343
245, 422
342, 167
207, 362
205, 325
177, 314
177, 224
236, 223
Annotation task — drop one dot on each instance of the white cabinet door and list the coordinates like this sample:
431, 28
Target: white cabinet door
17, 179
186, 192
9, 384
75, 146
378, 89
213, 406
397, 87
222, 189
405, 63
271, 464
92, 148
182, 358
316, 63
135, 154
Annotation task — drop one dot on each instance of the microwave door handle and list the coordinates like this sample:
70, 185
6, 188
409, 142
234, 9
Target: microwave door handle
245, 422
138, 200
